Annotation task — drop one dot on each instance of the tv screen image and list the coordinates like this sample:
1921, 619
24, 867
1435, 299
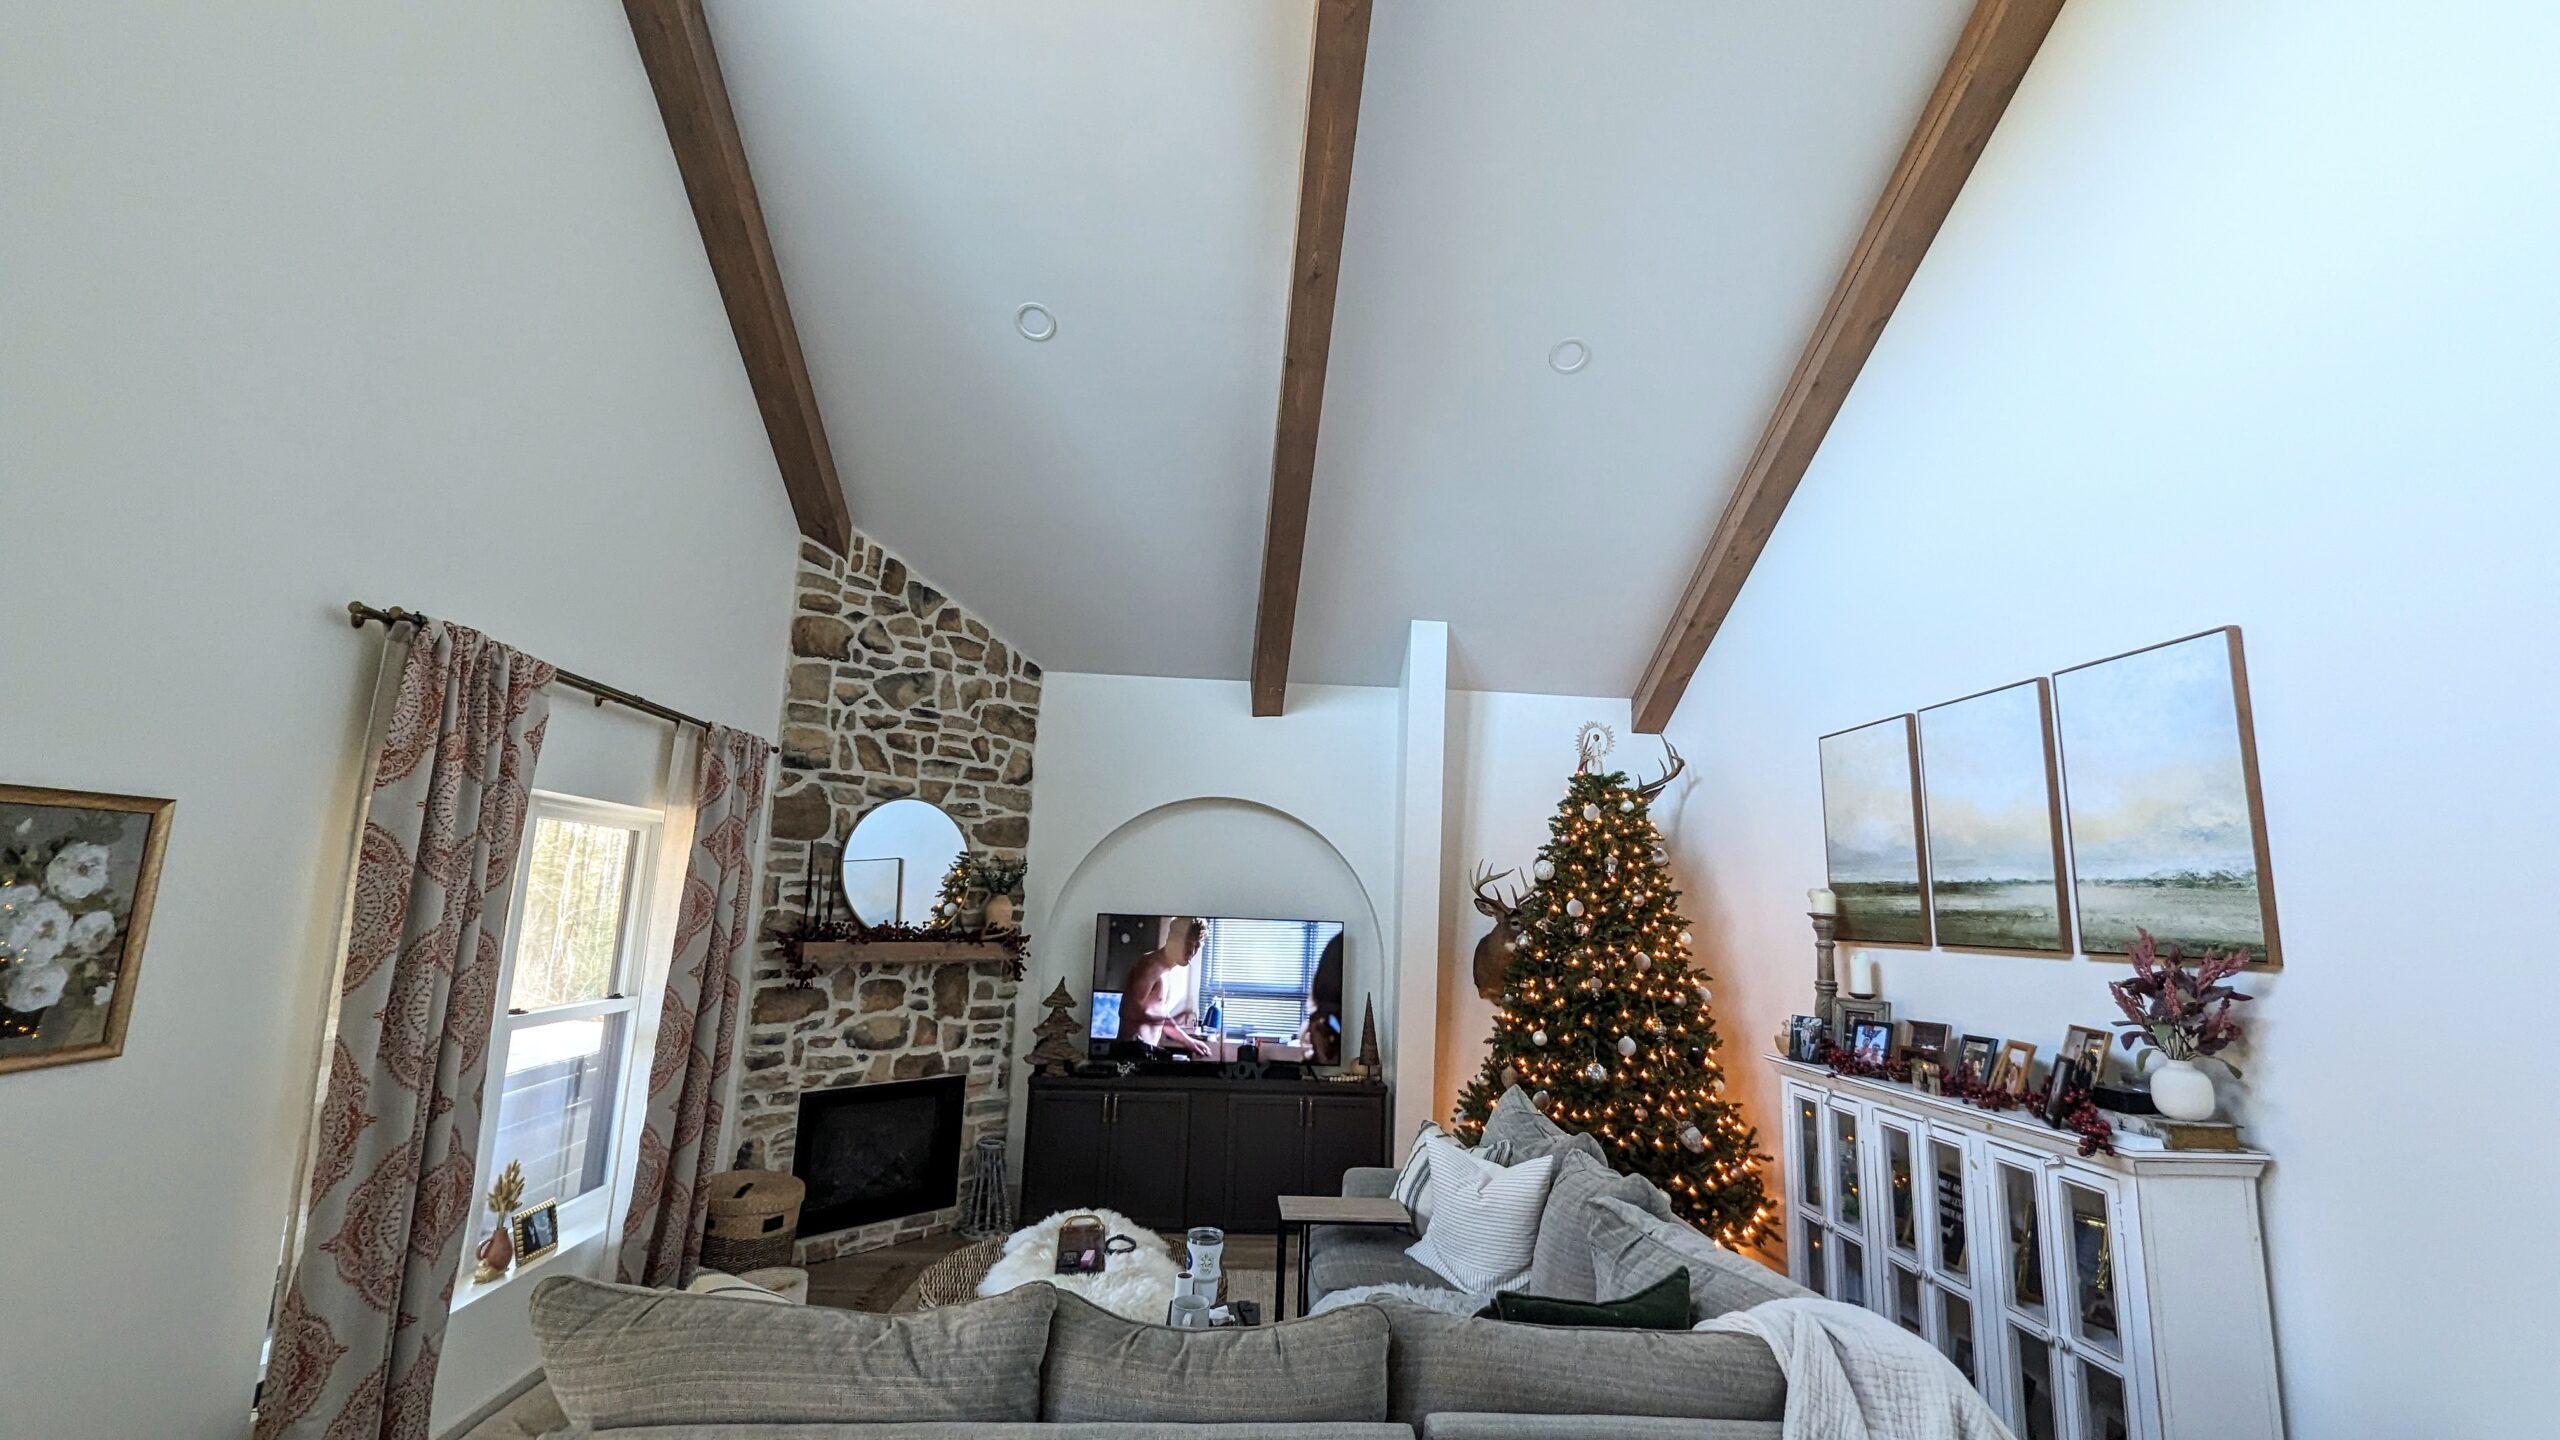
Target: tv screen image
1203, 985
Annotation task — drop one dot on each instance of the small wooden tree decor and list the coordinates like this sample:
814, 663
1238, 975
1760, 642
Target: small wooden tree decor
1367, 1065
1059, 1048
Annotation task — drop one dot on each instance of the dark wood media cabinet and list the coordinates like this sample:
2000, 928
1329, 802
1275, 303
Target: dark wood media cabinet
1173, 1151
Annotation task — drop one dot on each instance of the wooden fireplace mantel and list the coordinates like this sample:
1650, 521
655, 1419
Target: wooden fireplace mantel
900, 952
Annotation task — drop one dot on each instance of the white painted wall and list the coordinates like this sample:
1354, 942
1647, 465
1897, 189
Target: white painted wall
2246, 316
1422, 761
1510, 756
290, 290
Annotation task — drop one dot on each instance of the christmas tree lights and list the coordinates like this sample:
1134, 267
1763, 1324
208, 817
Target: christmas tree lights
1606, 1020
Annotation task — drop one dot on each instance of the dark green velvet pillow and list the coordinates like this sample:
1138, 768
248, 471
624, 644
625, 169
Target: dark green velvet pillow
1662, 1305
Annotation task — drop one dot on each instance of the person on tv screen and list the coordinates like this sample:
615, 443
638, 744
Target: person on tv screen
1152, 1007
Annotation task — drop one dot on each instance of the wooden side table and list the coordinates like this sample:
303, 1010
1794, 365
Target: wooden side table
1300, 1211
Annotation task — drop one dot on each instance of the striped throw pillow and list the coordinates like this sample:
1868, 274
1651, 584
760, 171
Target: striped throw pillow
1484, 1219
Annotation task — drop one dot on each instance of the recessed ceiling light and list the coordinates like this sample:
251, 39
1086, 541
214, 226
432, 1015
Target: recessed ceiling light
1035, 322
1568, 357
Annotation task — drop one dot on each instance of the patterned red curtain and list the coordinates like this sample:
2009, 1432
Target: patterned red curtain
698, 1018
391, 1183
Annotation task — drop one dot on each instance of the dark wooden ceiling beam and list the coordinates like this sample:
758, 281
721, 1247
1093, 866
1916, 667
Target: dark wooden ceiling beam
675, 47
2000, 39
1324, 196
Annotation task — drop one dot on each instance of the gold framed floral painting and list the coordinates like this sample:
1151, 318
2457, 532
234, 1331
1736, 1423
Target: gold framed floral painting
77, 874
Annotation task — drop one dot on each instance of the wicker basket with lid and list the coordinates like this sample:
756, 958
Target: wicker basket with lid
754, 1216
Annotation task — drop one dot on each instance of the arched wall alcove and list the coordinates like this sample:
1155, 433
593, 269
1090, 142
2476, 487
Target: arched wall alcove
1207, 855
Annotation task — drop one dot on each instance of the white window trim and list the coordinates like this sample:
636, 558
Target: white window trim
641, 971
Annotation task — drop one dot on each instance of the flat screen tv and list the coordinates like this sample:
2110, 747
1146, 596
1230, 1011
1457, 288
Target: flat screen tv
1202, 986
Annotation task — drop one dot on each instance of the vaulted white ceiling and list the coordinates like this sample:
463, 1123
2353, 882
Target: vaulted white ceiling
1675, 183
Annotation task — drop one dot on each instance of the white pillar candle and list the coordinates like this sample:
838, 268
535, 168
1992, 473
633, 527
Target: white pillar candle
1862, 974
1822, 902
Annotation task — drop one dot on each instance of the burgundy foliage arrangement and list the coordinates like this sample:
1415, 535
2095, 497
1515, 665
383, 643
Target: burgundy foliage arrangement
2177, 1006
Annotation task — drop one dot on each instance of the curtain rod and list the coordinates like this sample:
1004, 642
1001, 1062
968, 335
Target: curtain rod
358, 613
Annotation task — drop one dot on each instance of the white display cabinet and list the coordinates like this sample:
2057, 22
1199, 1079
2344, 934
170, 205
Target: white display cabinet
2111, 1297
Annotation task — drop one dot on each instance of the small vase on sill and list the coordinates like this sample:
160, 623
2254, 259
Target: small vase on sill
2182, 1091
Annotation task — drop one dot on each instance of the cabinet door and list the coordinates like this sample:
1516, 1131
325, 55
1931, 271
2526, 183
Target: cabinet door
1063, 1139
1343, 1131
1150, 1130
1266, 1158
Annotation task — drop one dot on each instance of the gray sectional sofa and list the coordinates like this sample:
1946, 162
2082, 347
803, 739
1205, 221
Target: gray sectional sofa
641, 1364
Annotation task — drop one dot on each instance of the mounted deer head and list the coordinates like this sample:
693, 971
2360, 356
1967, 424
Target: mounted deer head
1493, 952
1671, 772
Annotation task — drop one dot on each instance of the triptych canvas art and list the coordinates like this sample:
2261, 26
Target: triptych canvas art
1949, 826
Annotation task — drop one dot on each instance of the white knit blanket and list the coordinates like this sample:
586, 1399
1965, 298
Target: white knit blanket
1854, 1375
1135, 1286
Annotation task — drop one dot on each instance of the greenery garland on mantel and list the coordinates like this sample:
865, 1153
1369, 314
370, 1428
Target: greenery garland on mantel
801, 975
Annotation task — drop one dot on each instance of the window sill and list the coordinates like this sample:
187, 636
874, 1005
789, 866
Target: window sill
576, 1231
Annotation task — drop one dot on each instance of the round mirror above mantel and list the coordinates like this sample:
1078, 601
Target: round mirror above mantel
895, 859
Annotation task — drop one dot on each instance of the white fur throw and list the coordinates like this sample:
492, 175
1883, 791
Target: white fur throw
1429, 1297
1136, 1286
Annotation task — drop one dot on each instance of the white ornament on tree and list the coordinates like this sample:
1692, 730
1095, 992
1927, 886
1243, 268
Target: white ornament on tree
1590, 812
1539, 1099
1643, 961
1573, 908
1537, 1037
1627, 1046
1595, 1072
1626, 807
1544, 869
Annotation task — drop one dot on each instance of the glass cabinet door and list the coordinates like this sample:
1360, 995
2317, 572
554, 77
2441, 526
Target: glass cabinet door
2092, 1248
2034, 1392
1906, 1299
1809, 1150
1901, 1198
1817, 1275
2022, 1236
1849, 1261
1845, 1194
2101, 1406
1947, 1254
1955, 1333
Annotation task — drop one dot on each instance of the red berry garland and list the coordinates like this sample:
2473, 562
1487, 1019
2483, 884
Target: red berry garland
2079, 1116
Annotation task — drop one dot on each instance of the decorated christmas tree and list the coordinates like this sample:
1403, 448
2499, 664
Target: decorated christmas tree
1604, 1020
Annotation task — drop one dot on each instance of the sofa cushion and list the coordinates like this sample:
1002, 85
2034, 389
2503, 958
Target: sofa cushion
1009, 1431
1561, 1265
1631, 1249
1029, 1430
619, 1356
1466, 1425
1439, 1362
1342, 1256
1517, 1130
1330, 1367
1486, 1219
1412, 1189
1662, 1305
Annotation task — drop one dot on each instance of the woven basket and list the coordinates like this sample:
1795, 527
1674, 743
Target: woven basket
755, 1214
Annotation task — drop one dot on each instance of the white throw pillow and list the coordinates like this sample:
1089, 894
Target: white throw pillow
1412, 1189
1484, 1218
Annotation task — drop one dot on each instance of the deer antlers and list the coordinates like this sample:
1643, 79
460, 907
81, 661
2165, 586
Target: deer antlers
1651, 788
1489, 901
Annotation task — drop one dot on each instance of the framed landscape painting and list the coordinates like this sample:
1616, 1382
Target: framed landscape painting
1871, 833
2160, 775
1995, 821
77, 874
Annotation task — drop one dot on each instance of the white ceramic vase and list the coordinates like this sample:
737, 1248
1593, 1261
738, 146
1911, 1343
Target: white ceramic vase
2181, 1091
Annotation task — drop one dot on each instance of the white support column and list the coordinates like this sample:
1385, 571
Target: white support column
1411, 1040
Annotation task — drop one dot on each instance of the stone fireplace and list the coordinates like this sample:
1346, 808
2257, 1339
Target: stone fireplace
895, 691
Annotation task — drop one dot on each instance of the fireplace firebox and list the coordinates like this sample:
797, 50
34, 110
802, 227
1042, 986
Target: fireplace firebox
878, 1152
